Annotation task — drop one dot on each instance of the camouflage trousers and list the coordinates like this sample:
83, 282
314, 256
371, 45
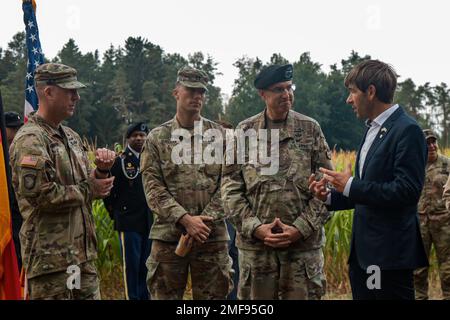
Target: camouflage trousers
281, 274
54, 286
209, 265
436, 232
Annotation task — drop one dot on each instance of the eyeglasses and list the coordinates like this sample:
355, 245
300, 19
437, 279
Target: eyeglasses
280, 90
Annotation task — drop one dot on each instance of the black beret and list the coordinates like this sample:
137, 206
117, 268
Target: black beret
140, 126
273, 74
13, 120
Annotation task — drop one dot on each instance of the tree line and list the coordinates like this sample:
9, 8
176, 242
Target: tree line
134, 82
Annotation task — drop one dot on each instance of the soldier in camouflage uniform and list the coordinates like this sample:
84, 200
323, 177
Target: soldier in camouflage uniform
434, 219
279, 222
186, 199
55, 187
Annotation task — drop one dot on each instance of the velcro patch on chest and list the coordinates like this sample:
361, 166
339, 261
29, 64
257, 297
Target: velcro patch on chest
29, 162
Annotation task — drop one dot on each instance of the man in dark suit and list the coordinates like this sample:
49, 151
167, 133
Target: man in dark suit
132, 216
390, 169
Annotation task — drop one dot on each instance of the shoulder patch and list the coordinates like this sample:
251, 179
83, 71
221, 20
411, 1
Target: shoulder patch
29, 161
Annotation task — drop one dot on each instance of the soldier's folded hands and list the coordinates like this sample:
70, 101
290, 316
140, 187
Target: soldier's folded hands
277, 234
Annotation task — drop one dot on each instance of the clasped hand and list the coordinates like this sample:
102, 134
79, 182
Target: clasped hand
196, 226
104, 159
277, 234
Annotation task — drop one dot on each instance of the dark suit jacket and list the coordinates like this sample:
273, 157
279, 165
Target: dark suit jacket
127, 204
386, 229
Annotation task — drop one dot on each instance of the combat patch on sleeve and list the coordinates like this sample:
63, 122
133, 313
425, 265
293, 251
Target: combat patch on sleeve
29, 181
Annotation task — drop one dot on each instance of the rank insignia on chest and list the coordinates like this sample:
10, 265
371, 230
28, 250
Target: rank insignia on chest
298, 133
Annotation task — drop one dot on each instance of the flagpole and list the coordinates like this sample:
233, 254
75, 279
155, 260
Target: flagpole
35, 56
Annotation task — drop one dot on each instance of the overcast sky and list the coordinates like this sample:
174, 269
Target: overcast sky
411, 35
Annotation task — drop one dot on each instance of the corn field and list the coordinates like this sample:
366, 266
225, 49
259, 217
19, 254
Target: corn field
336, 249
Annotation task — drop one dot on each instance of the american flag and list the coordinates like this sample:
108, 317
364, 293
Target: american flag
35, 56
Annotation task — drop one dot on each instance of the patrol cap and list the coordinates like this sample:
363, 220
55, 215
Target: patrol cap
13, 119
273, 74
140, 126
192, 78
429, 134
59, 75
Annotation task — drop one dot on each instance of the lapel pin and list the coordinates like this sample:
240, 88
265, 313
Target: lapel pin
383, 131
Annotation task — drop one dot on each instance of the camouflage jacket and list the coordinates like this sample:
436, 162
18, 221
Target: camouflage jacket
431, 203
50, 172
172, 190
252, 199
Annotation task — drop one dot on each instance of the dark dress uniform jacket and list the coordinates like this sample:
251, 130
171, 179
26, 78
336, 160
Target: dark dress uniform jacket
127, 204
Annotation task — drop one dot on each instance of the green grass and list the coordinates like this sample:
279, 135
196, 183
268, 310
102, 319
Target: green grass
109, 258
337, 249
108, 246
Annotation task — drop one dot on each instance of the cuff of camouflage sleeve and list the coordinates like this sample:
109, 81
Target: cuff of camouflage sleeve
215, 214
249, 226
86, 188
303, 226
177, 214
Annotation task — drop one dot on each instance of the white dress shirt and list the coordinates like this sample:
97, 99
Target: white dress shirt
374, 128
